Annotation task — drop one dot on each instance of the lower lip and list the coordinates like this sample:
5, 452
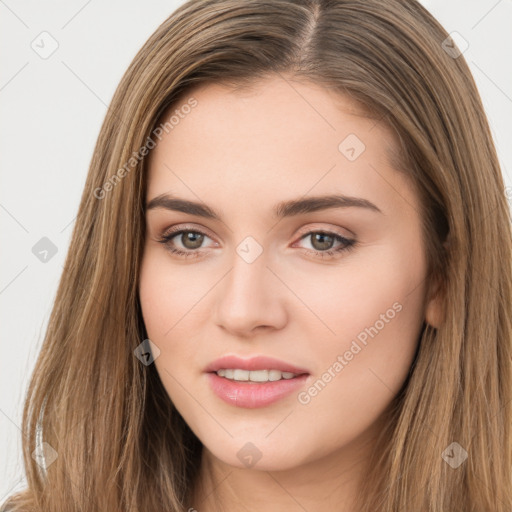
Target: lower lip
253, 394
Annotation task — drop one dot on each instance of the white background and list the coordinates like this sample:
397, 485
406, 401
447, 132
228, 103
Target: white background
51, 113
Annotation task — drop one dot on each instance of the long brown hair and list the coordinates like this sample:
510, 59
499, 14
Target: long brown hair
120, 444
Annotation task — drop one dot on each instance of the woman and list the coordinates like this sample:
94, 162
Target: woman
289, 282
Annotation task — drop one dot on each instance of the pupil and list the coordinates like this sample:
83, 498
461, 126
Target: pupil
196, 240
323, 243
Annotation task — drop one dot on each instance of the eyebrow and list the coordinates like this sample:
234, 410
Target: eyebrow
283, 209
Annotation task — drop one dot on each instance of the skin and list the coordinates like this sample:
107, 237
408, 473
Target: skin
241, 153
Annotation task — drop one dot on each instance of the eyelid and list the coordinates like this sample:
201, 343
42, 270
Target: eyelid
306, 230
186, 227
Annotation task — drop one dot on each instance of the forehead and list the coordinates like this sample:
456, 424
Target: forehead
275, 137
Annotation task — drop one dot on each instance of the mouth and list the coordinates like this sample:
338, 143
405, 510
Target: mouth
255, 382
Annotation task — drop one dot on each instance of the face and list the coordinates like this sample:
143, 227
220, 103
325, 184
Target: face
305, 247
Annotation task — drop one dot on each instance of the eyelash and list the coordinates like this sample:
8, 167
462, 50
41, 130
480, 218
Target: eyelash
348, 244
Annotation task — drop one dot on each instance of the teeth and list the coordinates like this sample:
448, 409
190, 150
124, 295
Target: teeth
254, 376
274, 375
240, 375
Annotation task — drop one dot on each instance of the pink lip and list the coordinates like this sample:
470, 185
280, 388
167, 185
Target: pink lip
253, 394
253, 363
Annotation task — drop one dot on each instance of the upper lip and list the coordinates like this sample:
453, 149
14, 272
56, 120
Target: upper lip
253, 363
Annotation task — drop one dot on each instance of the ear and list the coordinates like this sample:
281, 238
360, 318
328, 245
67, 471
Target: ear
435, 307
434, 310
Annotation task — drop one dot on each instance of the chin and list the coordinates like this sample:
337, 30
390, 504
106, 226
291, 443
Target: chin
257, 455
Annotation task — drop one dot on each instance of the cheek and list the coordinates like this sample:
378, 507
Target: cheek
173, 307
363, 367
168, 297
372, 313
360, 375
377, 293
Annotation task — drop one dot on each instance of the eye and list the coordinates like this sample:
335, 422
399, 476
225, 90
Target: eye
323, 242
190, 241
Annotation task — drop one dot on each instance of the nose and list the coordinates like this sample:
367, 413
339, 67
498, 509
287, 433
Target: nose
250, 298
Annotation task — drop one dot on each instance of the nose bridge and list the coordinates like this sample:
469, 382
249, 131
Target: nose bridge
248, 298
246, 282
246, 274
